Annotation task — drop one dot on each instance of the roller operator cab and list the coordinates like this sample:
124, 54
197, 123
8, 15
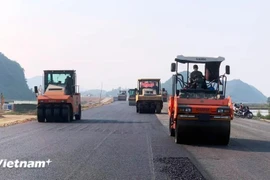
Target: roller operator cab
198, 106
132, 97
149, 96
60, 100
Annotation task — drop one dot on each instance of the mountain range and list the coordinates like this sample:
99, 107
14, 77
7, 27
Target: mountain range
13, 83
15, 86
238, 90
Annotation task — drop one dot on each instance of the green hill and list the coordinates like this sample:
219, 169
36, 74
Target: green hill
13, 83
34, 81
243, 92
237, 89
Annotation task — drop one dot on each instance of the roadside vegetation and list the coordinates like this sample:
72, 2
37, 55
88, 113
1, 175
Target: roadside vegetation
259, 115
30, 112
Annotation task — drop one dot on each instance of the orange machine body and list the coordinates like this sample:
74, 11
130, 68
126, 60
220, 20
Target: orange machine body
60, 100
198, 105
209, 107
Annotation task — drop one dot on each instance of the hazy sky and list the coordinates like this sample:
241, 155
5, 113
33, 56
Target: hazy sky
116, 42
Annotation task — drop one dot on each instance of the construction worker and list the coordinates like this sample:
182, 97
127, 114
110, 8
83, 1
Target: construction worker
197, 78
196, 74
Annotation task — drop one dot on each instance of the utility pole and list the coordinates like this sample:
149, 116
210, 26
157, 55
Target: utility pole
2, 101
100, 92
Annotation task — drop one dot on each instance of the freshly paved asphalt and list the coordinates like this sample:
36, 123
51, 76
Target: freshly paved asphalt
114, 142
246, 157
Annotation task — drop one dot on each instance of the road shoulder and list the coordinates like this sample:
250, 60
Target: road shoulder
8, 120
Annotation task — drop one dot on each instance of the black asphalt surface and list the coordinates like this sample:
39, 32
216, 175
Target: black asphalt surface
111, 142
114, 142
246, 157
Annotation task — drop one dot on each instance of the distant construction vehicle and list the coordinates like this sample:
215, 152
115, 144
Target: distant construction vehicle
61, 101
132, 97
164, 95
122, 95
149, 96
200, 107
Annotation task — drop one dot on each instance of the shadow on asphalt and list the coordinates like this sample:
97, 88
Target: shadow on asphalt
102, 121
96, 121
248, 145
238, 144
154, 113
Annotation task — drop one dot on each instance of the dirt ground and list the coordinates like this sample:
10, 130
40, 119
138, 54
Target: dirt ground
11, 119
90, 100
6, 120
